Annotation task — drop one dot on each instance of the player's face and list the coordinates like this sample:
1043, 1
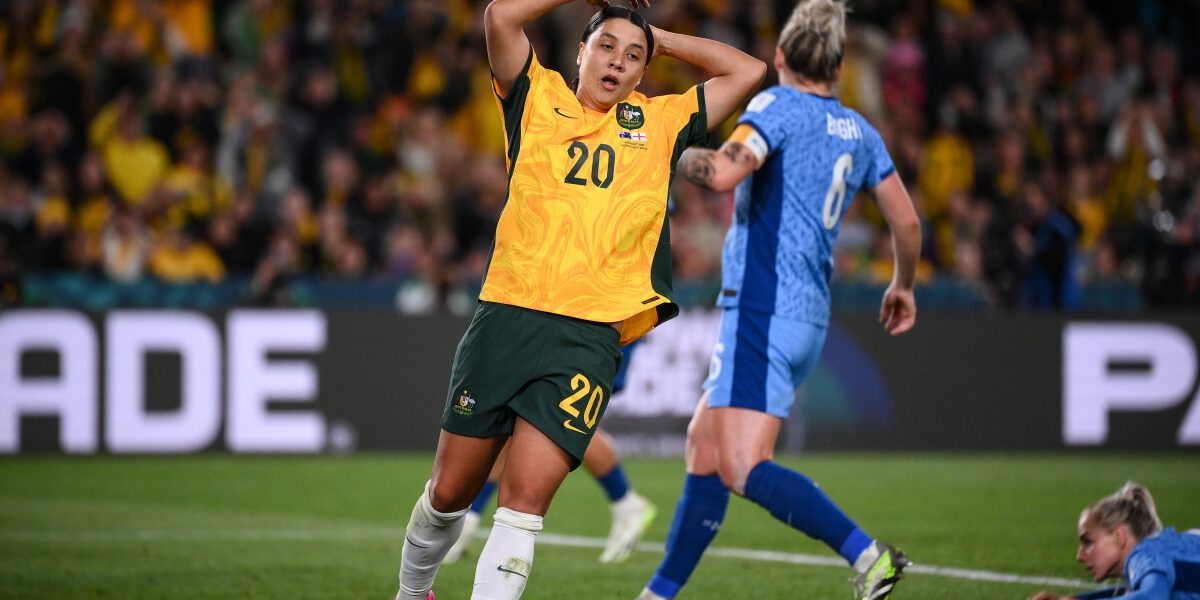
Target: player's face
1102, 551
611, 63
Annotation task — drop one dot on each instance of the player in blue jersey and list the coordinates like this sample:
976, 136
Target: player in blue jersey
797, 159
1121, 535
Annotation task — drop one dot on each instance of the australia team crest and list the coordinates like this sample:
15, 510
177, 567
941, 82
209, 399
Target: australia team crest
630, 116
464, 404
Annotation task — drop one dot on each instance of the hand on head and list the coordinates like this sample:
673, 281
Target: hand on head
658, 33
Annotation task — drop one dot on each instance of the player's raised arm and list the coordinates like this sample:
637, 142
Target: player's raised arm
735, 74
898, 312
507, 45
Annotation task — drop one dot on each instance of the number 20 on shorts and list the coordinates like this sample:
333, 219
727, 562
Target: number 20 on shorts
591, 413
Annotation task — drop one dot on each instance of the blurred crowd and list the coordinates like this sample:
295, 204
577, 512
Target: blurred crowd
1047, 145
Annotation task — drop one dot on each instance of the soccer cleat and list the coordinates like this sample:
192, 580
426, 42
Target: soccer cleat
878, 580
631, 516
649, 595
470, 528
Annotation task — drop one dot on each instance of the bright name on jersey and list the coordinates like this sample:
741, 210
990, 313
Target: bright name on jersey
846, 129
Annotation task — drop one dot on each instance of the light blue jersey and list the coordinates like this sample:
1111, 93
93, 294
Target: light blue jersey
778, 254
779, 249
1174, 555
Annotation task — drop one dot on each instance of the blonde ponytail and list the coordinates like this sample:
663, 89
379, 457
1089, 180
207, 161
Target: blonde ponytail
1132, 505
814, 39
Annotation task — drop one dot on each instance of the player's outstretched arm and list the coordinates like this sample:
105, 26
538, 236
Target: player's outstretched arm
735, 74
721, 170
898, 312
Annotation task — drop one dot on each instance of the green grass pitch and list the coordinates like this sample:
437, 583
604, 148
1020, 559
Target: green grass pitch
330, 527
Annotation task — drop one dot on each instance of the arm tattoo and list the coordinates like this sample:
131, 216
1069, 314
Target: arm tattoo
697, 166
737, 153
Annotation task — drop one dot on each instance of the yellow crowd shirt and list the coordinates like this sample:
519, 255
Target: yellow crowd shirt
584, 229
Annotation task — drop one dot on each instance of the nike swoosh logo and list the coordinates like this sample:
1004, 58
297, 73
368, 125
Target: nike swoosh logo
410, 540
503, 570
562, 114
568, 425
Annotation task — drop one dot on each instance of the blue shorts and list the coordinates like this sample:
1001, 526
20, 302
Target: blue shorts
759, 361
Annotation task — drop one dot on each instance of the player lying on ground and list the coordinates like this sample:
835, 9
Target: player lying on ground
1122, 536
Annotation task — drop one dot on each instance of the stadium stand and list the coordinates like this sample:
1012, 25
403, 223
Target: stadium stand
210, 153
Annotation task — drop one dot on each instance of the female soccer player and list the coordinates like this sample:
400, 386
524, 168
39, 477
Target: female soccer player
1121, 535
797, 159
580, 265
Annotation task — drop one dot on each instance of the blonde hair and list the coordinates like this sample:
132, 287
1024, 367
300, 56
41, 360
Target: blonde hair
1132, 505
814, 38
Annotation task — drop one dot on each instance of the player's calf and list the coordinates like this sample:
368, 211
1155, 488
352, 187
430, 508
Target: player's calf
427, 538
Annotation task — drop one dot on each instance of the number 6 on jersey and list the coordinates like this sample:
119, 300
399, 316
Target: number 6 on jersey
835, 198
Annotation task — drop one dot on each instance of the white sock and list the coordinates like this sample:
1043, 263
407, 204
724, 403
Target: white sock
507, 558
867, 558
631, 498
427, 538
649, 595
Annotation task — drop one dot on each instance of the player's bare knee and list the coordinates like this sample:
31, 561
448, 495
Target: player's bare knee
450, 496
734, 468
701, 460
729, 476
524, 498
701, 456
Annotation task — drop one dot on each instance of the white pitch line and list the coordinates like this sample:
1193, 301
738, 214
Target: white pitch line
550, 539
820, 561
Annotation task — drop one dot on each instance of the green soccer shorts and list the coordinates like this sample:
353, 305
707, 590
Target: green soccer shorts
555, 372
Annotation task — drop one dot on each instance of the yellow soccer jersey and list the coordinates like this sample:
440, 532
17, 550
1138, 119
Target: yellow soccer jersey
584, 229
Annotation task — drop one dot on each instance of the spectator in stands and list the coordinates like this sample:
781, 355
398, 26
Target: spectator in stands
50, 143
947, 169
89, 216
126, 247
134, 162
179, 257
1085, 206
275, 273
240, 235
14, 109
1046, 241
17, 224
